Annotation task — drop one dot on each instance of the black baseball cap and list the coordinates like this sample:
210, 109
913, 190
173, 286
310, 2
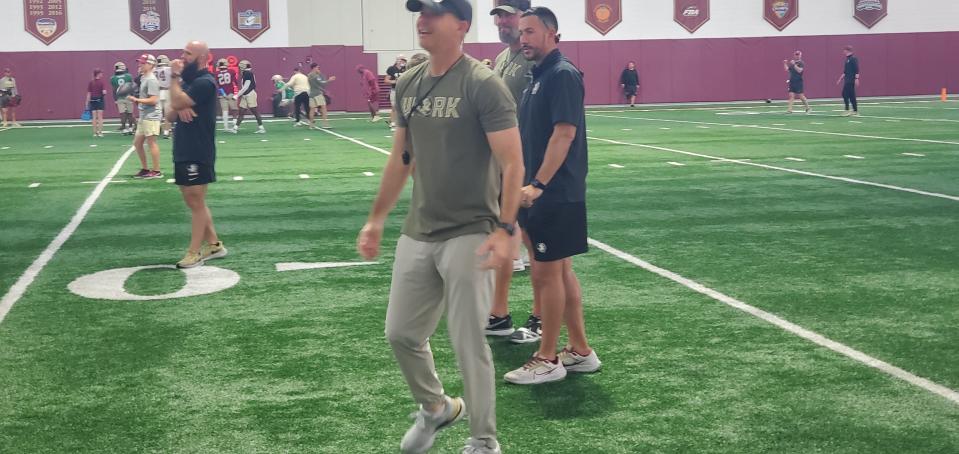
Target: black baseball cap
459, 8
510, 6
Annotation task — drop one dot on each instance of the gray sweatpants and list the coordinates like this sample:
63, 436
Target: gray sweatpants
428, 277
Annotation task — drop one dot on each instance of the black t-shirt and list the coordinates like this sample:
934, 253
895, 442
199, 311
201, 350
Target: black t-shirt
851, 69
394, 73
555, 95
794, 75
248, 76
195, 141
629, 78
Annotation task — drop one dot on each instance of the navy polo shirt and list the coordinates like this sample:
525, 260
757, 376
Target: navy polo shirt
555, 95
195, 141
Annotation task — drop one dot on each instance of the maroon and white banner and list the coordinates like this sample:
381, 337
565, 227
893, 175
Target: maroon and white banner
604, 15
691, 14
149, 19
780, 13
870, 12
250, 18
46, 20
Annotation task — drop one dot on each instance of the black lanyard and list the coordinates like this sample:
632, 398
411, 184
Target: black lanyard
418, 101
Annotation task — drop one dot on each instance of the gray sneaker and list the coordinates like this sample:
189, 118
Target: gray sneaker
480, 446
530, 332
420, 437
574, 362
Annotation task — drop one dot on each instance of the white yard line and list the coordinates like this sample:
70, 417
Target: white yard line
358, 142
852, 156
796, 159
674, 163
805, 131
616, 166
784, 169
786, 325
20, 287
918, 155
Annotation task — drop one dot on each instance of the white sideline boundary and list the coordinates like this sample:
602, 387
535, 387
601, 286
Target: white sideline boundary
23, 282
786, 325
783, 169
790, 327
775, 128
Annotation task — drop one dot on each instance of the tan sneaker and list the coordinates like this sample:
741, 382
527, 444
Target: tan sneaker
213, 251
190, 260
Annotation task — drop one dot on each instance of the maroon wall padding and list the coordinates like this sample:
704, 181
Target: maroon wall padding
720, 69
53, 84
735, 69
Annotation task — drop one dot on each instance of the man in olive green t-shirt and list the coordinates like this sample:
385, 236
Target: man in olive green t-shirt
460, 120
515, 71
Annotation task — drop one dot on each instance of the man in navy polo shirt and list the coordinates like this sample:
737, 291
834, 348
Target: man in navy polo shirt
552, 123
193, 108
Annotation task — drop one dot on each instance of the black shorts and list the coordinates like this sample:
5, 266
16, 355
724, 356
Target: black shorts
630, 91
189, 173
96, 104
796, 87
5, 100
557, 230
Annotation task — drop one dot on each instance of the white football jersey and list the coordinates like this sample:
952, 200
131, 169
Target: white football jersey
163, 76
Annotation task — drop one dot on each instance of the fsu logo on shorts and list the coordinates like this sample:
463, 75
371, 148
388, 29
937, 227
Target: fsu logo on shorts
150, 21
249, 20
46, 26
541, 248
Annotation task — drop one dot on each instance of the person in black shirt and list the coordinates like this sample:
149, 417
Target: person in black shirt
552, 121
193, 105
850, 81
796, 68
393, 73
246, 97
629, 82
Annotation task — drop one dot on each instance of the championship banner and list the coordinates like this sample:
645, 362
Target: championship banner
250, 18
150, 19
604, 15
870, 12
780, 13
691, 14
46, 20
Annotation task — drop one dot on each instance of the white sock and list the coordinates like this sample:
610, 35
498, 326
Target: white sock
226, 119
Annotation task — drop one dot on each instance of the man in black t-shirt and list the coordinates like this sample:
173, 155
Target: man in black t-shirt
796, 68
552, 122
392, 74
193, 105
246, 97
850, 81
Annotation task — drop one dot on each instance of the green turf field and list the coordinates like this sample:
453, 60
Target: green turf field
845, 227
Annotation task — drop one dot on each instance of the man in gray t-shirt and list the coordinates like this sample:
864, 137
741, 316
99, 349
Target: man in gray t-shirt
148, 127
318, 83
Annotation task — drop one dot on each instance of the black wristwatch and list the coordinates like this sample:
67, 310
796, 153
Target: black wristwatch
509, 228
537, 184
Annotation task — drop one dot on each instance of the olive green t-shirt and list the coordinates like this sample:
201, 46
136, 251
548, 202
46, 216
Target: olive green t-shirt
515, 71
456, 179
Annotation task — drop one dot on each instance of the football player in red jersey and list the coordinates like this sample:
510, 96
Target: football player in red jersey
226, 82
